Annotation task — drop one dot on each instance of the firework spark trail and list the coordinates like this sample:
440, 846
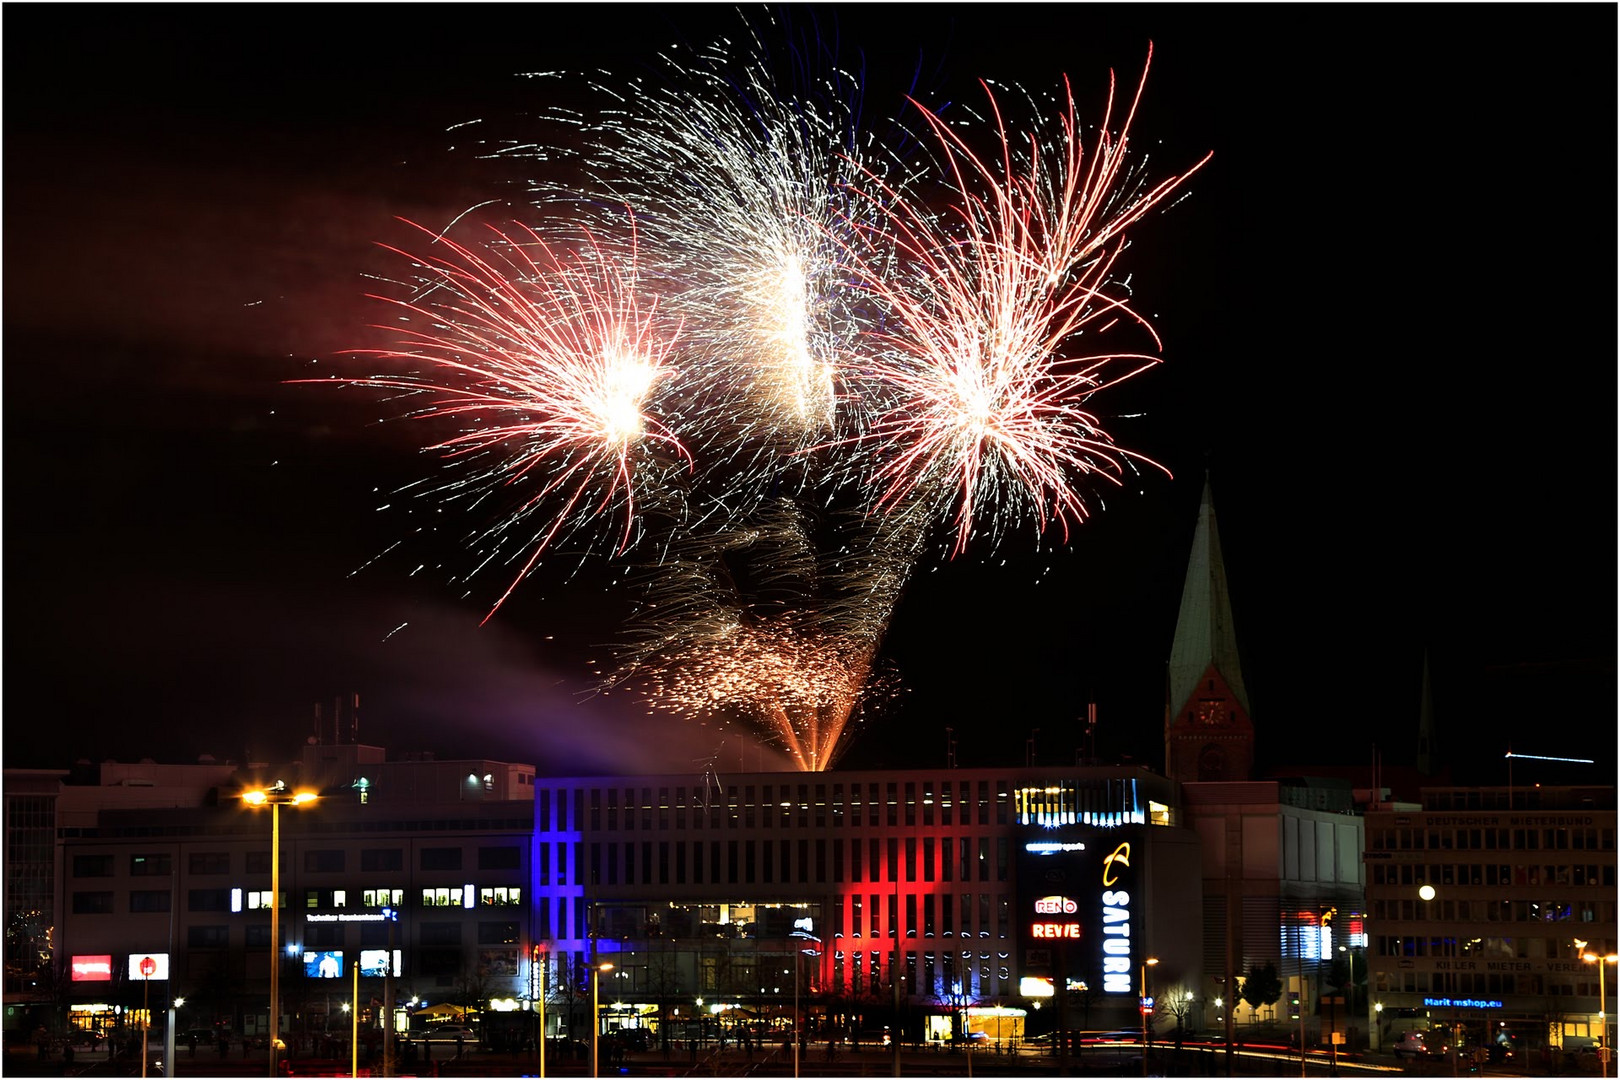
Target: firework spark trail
746, 201
548, 361
764, 624
840, 345
981, 405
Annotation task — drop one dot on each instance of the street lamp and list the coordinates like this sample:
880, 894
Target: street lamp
596, 1013
537, 972
168, 1038
1603, 1015
148, 967
1350, 956
276, 796
1145, 1010
798, 956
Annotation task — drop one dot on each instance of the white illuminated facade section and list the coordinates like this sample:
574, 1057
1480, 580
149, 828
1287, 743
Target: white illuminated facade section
1074, 802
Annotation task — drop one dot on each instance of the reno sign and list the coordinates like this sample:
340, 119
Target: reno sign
1047, 928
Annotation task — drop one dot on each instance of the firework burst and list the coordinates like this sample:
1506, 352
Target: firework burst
787, 374
746, 196
981, 406
547, 363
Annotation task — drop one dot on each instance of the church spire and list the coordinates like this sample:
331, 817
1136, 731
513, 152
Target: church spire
1208, 735
1204, 630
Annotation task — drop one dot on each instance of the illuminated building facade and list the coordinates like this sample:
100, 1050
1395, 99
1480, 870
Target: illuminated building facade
30, 892
1477, 898
422, 861
928, 892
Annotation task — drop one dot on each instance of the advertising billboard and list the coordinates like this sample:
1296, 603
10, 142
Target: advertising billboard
1081, 917
324, 965
91, 968
148, 965
374, 963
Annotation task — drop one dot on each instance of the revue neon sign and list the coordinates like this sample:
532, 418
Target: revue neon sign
1056, 905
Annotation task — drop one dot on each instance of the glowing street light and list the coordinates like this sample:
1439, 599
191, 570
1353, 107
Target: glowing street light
1603, 1014
276, 796
800, 953
596, 1012
1145, 1009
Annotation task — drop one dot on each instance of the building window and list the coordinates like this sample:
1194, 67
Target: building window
441, 933
209, 862
381, 898
93, 903
258, 899
92, 866
258, 862
149, 865
211, 937
208, 900
323, 862
382, 859
324, 935
442, 858
497, 933
145, 900
500, 896
502, 858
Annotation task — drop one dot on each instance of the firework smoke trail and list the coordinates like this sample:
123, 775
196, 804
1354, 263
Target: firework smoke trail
764, 624
548, 361
981, 407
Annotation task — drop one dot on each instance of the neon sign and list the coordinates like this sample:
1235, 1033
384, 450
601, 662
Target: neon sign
1116, 924
92, 969
1056, 930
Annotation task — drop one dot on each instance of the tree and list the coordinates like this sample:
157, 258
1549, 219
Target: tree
1262, 986
1178, 1003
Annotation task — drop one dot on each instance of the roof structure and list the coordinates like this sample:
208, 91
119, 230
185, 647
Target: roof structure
1205, 634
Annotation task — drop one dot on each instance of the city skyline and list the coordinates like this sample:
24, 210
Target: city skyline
193, 546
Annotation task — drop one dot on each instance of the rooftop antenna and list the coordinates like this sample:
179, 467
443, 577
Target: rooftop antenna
950, 748
1029, 748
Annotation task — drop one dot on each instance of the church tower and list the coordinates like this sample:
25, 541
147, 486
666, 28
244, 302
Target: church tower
1207, 732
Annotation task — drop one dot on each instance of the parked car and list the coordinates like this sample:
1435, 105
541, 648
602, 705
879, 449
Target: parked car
444, 1033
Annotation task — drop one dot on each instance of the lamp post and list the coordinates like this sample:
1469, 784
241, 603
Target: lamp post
148, 968
596, 1014
538, 968
800, 952
168, 1038
276, 796
354, 1022
1350, 957
1145, 1009
1603, 1014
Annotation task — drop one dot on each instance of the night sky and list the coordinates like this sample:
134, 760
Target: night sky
1389, 326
